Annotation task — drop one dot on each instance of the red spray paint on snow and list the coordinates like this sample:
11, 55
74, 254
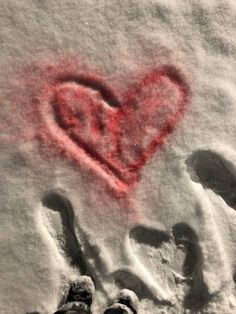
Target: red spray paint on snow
120, 137
80, 117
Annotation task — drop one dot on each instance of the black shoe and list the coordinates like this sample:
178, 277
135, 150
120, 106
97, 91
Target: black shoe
74, 308
79, 298
125, 303
81, 291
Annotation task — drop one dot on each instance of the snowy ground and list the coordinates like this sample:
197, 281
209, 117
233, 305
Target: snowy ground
172, 237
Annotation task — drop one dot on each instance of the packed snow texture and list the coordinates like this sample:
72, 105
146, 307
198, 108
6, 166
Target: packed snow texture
173, 242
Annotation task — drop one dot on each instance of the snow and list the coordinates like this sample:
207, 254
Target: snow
170, 237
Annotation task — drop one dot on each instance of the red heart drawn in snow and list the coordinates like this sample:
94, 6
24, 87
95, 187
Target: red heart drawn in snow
121, 137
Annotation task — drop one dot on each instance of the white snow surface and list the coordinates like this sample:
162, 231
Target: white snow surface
41, 245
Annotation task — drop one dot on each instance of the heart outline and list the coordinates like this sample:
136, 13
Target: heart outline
118, 173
